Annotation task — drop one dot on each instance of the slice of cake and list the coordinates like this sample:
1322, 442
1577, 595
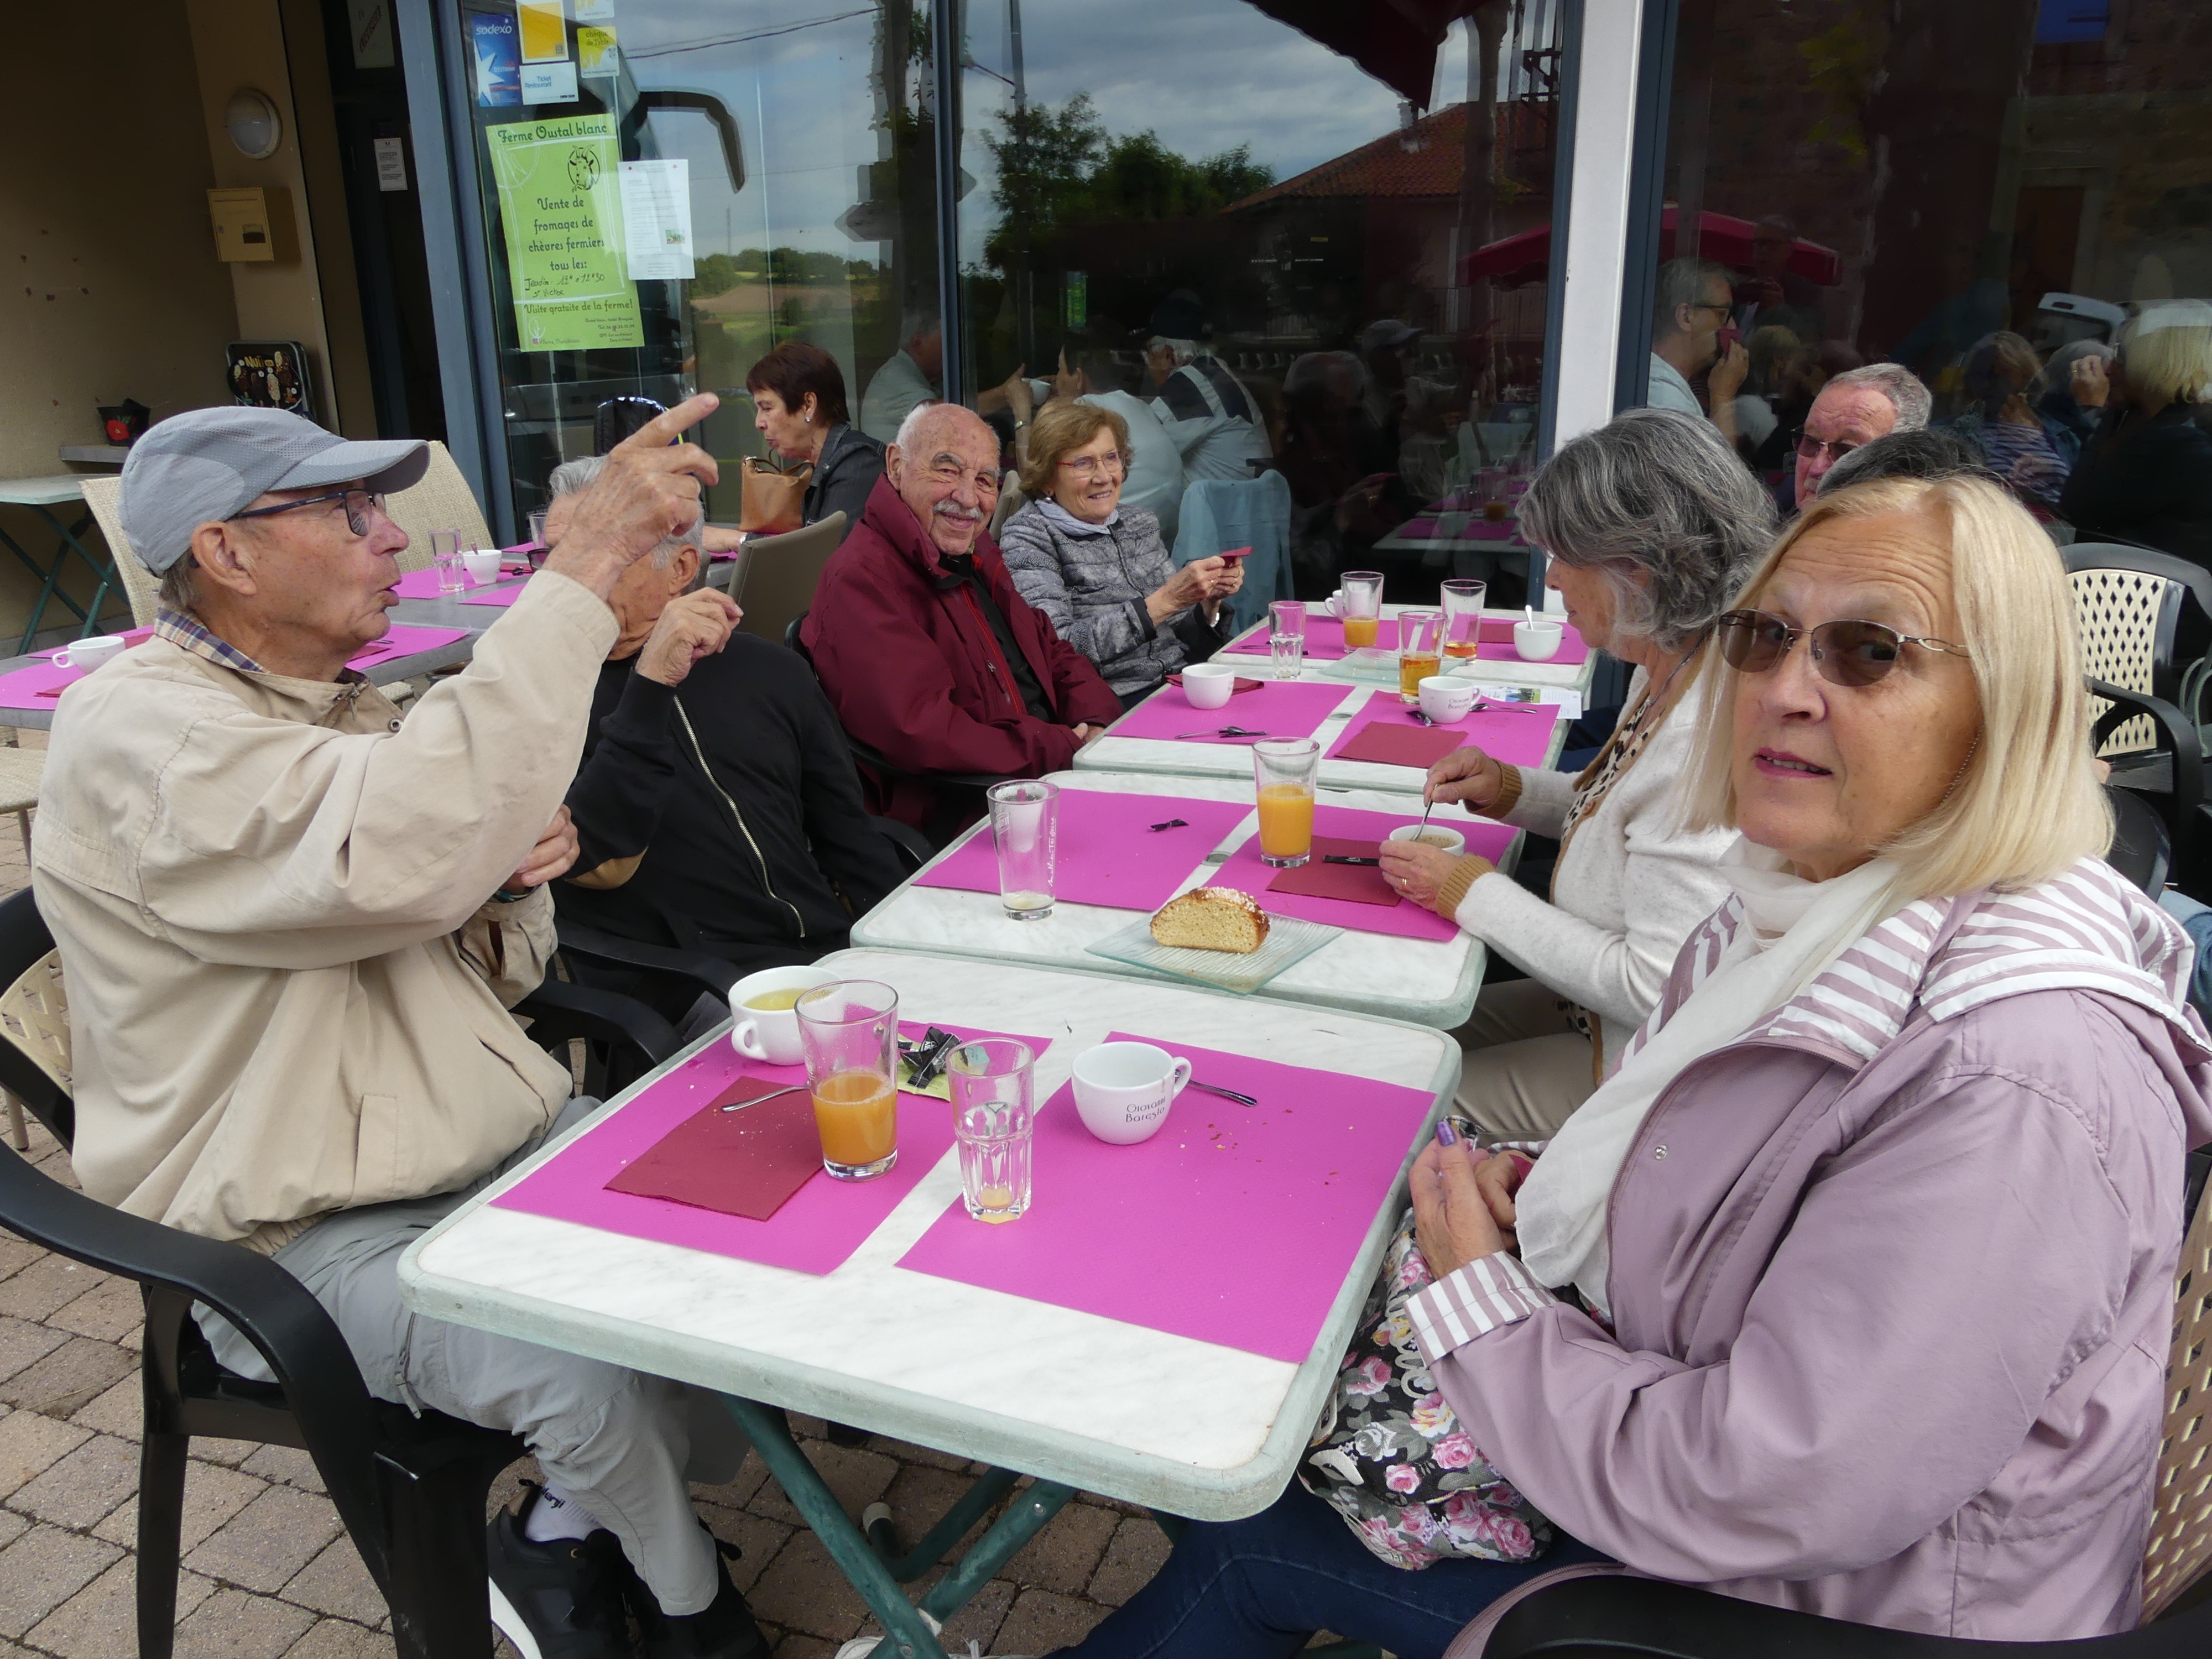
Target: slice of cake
1212, 919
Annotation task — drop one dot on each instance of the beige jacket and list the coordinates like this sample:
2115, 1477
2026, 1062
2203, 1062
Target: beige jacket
262, 890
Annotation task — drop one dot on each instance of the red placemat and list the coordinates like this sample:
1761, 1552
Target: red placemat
1353, 883
824, 1222
1508, 734
1108, 853
1281, 708
728, 1156
1233, 1224
1243, 870
41, 685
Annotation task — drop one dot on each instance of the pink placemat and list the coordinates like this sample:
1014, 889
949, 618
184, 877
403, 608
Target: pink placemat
1507, 734
824, 1222
1244, 870
41, 686
1233, 1224
423, 585
1108, 852
1281, 708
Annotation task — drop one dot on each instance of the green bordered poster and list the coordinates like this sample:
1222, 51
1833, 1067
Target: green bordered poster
560, 198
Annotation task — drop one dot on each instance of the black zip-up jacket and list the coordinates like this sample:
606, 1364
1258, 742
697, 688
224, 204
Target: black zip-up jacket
850, 463
723, 814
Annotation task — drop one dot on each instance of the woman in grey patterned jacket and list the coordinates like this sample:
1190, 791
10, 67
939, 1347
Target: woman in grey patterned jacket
1099, 570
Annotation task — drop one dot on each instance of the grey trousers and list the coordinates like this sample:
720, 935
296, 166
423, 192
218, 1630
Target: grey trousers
1527, 1067
622, 1443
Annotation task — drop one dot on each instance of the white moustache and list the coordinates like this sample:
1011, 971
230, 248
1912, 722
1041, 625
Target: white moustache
954, 510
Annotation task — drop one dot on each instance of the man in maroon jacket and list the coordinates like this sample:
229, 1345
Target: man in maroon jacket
929, 653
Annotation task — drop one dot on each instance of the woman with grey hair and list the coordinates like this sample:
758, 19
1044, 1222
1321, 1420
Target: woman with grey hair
1650, 522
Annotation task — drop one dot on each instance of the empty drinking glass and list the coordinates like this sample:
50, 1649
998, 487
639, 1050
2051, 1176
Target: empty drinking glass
445, 559
993, 1120
849, 1029
1025, 824
1463, 603
537, 528
1286, 637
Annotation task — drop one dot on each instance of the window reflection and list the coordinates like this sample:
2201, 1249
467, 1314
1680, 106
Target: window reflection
1267, 234
2008, 202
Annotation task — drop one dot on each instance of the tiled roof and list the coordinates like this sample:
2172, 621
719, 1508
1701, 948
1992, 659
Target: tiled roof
1423, 159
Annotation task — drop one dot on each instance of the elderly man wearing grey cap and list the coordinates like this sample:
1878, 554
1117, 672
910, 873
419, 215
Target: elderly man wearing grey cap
292, 924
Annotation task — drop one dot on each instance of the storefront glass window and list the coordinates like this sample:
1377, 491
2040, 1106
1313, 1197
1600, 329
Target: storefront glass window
792, 200
2008, 200
1290, 233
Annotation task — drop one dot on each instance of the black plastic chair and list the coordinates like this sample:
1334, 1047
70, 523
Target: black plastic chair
2168, 778
411, 1491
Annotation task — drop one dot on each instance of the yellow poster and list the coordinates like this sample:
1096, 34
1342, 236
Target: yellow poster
544, 30
560, 204
595, 51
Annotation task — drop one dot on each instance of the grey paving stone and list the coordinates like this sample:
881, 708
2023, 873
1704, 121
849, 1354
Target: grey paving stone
121, 1411
979, 1622
30, 1444
231, 1625
855, 1477
12, 1526
269, 1541
69, 1378
16, 1253
113, 1311
43, 1569
1139, 1550
337, 1582
334, 1639
1042, 1620
79, 1489
803, 1590
212, 1495
45, 1286
798, 1645
756, 1536
23, 1342
286, 1463
1067, 1552
100, 1621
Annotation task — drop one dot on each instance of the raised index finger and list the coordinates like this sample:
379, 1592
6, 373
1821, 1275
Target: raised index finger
665, 428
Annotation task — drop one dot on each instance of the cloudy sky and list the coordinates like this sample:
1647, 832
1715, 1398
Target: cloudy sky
1206, 75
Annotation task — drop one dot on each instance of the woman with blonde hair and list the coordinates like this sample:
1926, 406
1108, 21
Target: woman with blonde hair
2145, 475
1098, 570
1848, 1291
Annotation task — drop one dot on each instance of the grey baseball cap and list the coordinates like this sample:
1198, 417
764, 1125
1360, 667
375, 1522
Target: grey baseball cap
210, 463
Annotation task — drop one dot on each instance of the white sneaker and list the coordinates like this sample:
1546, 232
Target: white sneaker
861, 1647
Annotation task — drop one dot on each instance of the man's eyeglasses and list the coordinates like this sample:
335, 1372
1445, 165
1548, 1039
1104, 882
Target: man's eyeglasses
945, 472
1088, 466
359, 504
1812, 448
1848, 653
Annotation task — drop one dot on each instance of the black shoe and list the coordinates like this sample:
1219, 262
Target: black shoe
562, 1599
725, 1631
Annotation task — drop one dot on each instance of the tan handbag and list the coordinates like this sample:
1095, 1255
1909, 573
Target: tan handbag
772, 499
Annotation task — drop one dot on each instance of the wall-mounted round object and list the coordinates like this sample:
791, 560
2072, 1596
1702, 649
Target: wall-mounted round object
253, 124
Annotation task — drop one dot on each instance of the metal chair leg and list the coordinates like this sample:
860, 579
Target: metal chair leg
160, 1527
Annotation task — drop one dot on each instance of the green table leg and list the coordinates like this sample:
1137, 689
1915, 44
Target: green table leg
65, 543
857, 1559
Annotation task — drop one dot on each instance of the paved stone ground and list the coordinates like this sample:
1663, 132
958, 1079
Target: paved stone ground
268, 1570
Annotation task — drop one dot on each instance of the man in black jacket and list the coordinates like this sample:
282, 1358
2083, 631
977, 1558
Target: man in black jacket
716, 809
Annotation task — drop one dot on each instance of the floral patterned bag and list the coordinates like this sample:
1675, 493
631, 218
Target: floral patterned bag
1388, 1456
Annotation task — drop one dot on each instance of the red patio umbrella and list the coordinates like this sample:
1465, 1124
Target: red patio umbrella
1525, 258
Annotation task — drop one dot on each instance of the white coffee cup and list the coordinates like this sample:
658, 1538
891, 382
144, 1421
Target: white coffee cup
1446, 700
1209, 684
1123, 1090
1335, 604
1538, 641
89, 654
483, 565
1435, 834
771, 1034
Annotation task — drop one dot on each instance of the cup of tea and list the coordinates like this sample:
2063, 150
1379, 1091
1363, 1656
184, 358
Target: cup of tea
1538, 640
764, 1006
1433, 835
483, 565
1208, 685
1447, 701
1123, 1090
89, 654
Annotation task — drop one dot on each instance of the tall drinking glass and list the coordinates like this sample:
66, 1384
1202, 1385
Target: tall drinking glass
1420, 636
1283, 773
1360, 603
537, 528
993, 1120
849, 1030
1286, 637
446, 559
1463, 603
1025, 824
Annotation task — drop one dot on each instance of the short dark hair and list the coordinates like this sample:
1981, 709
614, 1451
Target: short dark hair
795, 368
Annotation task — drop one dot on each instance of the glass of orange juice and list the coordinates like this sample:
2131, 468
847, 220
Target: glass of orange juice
849, 1029
1463, 603
1359, 602
1421, 645
1283, 772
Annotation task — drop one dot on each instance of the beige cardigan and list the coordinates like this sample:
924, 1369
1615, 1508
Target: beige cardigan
262, 889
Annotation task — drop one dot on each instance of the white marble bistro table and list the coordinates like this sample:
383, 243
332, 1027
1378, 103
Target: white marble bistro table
1428, 981
1108, 753
1076, 1400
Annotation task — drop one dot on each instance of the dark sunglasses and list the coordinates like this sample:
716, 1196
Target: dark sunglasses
359, 504
1850, 652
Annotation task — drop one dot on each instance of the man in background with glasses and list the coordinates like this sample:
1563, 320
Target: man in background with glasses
1853, 410
292, 924
1690, 307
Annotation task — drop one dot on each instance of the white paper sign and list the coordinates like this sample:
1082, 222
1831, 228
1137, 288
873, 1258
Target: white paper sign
656, 201
390, 163
549, 83
594, 11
